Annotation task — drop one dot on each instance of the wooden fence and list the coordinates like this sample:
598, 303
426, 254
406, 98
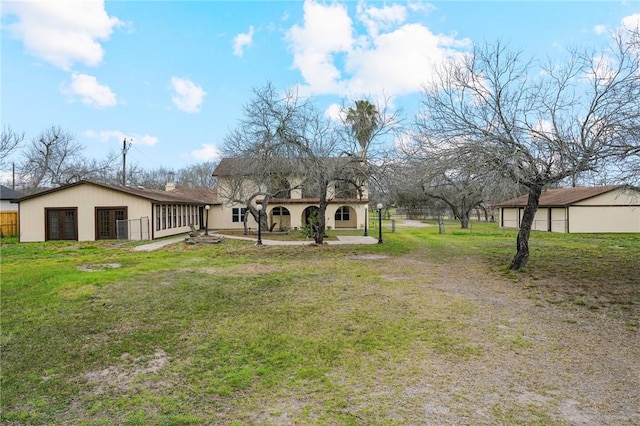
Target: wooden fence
8, 223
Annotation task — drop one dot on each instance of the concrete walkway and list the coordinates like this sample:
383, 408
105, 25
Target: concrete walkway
159, 244
342, 239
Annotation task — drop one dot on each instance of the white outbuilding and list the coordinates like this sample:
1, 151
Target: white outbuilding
613, 208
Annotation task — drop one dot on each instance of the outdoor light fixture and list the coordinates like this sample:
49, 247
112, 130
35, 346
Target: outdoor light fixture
366, 219
206, 220
259, 242
379, 223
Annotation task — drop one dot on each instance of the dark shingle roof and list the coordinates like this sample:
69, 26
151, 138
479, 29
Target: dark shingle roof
204, 195
562, 197
154, 195
234, 166
243, 166
8, 193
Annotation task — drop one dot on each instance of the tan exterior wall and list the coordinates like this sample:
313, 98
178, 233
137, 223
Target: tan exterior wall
619, 197
594, 219
509, 217
559, 219
86, 198
541, 220
83, 197
615, 211
221, 216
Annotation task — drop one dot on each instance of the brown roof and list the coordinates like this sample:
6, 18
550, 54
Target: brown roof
234, 166
154, 195
203, 195
562, 197
242, 166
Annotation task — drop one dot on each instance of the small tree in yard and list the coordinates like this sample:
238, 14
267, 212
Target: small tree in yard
444, 180
534, 124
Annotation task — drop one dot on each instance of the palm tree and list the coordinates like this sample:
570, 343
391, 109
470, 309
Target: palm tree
364, 119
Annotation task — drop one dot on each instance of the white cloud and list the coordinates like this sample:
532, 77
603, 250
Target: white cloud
206, 153
118, 136
188, 96
241, 41
62, 32
90, 91
375, 18
631, 22
335, 112
393, 57
326, 31
600, 29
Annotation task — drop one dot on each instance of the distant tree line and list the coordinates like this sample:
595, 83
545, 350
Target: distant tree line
54, 158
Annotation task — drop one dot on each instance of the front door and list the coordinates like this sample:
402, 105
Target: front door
107, 222
62, 224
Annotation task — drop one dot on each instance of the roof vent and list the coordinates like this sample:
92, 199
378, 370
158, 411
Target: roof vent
140, 187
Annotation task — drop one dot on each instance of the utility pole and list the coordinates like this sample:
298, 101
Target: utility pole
125, 148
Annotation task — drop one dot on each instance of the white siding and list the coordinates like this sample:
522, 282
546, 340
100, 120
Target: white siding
6, 205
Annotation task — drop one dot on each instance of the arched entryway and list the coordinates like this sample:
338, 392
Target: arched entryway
345, 217
309, 213
280, 218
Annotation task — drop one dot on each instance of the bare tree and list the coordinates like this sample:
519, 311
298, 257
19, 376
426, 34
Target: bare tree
51, 159
55, 158
287, 138
197, 175
10, 142
505, 117
150, 178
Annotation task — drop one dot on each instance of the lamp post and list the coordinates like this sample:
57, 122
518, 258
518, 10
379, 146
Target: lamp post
206, 220
379, 223
366, 219
259, 242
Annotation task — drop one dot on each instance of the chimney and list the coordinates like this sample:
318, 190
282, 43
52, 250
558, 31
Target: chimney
170, 186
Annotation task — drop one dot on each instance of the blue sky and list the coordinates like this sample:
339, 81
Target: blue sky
173, 75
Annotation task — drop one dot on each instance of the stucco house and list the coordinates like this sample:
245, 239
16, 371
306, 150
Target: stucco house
88, 211
613, 208
290, 207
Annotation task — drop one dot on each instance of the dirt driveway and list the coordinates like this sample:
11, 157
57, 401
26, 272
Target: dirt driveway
565, 362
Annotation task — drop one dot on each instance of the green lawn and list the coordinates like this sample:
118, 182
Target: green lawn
93, 333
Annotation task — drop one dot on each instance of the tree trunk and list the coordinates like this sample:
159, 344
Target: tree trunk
522, 242
322, 209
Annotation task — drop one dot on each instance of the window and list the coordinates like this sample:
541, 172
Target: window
237, 214
345, 189
174, 211
342, 214
280, 211
157, 217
